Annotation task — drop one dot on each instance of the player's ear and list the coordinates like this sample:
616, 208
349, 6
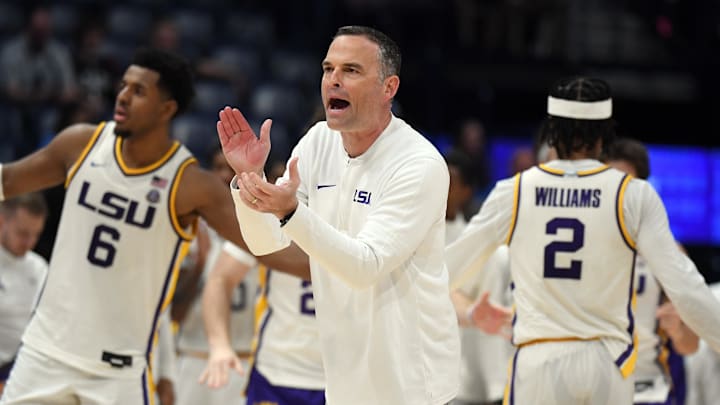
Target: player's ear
168, 108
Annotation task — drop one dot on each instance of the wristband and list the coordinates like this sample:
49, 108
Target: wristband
284, 220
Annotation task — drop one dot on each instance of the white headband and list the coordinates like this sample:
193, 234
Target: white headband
581, 110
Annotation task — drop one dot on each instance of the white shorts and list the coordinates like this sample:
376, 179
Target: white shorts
37, 379
567, 373
188, 391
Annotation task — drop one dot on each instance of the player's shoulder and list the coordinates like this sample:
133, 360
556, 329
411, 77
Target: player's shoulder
81, 130
76, 136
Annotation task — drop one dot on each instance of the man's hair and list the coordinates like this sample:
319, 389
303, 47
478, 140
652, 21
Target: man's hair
34, 203
631, 151
571, 134
176, 76
389, 52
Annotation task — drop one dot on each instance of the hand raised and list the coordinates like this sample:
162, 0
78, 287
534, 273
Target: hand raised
243, 150
278, 199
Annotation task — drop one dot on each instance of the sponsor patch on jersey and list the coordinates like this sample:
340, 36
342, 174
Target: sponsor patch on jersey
153, 196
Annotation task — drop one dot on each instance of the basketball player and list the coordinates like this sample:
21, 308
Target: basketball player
573, 227
193, 347
132, 201
22, 271
286, 365
662, 335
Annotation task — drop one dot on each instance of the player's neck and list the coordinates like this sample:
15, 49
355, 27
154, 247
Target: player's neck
587, 153
144, 149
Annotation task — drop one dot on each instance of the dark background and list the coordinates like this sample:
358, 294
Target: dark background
489, 59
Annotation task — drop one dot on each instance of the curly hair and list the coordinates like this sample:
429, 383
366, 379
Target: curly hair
176, 75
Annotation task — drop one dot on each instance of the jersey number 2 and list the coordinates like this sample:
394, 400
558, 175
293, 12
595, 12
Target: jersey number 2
551, 269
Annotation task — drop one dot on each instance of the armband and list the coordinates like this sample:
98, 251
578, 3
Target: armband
284, 220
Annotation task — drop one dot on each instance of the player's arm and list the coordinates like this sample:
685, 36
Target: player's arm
677, 274
224, 277
684, 340
462, 304
47, 166
191, 271
203, 193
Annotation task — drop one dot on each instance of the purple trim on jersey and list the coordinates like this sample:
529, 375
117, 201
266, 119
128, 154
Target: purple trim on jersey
143, 381
618, 210
631, 326
5, 370
261, 332
678, 390
168, 276
261, 391
511, 393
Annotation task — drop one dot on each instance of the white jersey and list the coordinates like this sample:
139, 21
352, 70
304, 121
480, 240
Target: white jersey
568, 237
163, 360
21, 280
192, 336
652, 350
286, 349
573, 228
115, 260
374, 228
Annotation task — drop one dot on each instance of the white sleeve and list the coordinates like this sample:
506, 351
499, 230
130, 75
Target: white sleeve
674, 270
412, 202
260, 230
239, 254
485, 232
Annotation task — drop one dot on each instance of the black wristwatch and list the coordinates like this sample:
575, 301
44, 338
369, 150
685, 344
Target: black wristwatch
284, 220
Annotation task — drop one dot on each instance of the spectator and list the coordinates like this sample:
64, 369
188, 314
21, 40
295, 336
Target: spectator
36, 74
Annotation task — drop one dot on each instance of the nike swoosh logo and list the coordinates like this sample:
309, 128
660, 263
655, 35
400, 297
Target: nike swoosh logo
319, 186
